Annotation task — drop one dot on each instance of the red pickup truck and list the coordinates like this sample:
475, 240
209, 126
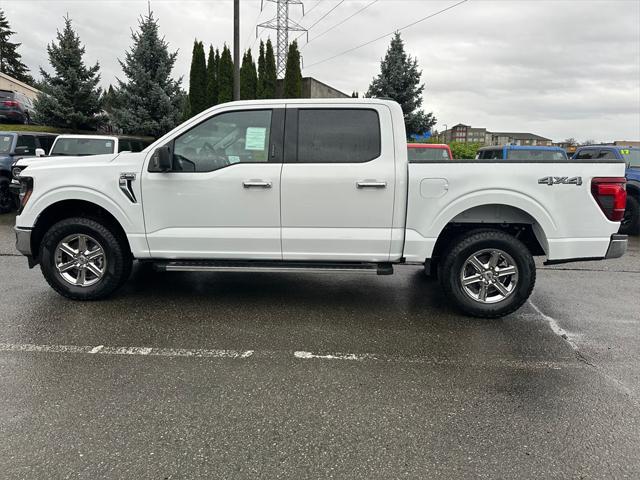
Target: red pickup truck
428, 152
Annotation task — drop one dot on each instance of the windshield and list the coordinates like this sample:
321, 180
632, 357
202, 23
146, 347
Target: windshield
5, 143
82, 146
536, 155
632, 157
428, 154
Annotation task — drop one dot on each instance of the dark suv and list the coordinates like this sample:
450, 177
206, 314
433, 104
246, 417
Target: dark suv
15, 107
15, 145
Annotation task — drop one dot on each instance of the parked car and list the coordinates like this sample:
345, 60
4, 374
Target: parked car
428, 152
326, 187
83, 145
15, 145
631, 156
15, 107
521, 153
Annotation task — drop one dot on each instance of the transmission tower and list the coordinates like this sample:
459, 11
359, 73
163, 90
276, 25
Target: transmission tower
283, 25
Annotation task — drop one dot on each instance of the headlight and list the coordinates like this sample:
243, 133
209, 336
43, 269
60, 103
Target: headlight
26, 188
15, 172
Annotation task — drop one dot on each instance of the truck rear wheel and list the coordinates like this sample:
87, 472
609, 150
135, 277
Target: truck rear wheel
82, 259
487, 273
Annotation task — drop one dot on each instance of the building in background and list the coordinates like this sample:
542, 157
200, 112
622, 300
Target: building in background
466, 134
13, 85
627, 143
312, 88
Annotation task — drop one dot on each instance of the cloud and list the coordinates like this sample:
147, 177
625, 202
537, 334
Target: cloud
561, 68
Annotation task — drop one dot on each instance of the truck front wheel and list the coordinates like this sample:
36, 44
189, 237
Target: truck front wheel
83, 259
488, 273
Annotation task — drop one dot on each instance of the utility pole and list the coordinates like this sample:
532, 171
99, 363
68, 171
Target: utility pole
236, 49
282, 24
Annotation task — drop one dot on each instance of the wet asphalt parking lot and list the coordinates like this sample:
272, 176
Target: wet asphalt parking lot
242, 375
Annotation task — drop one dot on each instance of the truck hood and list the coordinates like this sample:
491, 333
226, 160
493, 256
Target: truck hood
64, 161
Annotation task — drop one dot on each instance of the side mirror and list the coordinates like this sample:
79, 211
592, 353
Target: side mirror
162, 160
40, 152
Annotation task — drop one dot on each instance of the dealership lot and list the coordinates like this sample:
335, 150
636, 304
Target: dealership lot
240, 375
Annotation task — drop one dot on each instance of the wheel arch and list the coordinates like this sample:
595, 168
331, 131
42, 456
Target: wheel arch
74, 208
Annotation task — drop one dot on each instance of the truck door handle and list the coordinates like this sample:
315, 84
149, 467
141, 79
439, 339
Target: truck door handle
256, 184
371, 184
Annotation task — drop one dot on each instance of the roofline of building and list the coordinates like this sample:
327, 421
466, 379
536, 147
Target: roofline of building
22, 84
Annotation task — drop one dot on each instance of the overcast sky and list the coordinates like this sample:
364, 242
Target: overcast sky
557, 68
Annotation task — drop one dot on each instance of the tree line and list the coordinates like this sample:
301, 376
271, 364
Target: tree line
149, 101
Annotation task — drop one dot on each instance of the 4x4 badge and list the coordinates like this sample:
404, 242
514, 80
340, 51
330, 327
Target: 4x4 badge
560, 181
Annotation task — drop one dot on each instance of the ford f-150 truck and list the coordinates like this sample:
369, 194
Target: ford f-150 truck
314, 185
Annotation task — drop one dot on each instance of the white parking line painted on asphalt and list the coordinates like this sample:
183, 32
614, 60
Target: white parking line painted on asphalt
469, 362
555, 327
143, 351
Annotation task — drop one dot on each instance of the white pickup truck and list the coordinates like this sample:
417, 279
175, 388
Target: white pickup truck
314, 185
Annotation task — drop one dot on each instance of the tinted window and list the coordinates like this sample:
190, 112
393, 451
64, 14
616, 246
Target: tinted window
46, 142
28, 141
417, 155
338, 135
6, 94
632, 157
493, 154
5, 143
607, 154
536, 155
586, 154
228, 138
124, 146
82, 146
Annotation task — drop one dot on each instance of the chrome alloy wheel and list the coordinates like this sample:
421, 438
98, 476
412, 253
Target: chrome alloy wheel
489, 276
80, 260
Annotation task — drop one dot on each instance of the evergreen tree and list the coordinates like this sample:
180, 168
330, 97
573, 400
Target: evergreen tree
355, 95
198, 80
109, 99
293, 74
225, 76
270, 73
212, 77
71, 97
260, 93
10, 60
248, 77
399, 79
150, 101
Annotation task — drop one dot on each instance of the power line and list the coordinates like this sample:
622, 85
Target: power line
387, 34
321, 18
255, 23
340, 23
314, 7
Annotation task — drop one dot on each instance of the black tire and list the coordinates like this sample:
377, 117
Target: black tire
471, 243
27, 119
118, 258
631, 221
7, 200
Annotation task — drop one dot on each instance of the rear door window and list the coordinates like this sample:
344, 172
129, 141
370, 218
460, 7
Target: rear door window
332, 135
493, 154
607, 154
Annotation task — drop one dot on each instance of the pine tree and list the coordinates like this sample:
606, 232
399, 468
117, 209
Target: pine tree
225, 76
270, 73
399, 79
355, 95
261, 73
151, 101
248, 77
72, 98
198, 80
10, 60
293, 74
212, 77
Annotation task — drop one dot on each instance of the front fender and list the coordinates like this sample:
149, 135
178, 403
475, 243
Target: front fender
127, 219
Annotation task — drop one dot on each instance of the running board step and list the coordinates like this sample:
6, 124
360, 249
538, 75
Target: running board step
258, 266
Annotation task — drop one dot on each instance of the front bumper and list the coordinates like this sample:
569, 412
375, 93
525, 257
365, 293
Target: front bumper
23, 240
617, 246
